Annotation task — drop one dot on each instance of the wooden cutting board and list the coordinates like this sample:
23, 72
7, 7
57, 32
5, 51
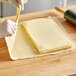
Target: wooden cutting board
63, 64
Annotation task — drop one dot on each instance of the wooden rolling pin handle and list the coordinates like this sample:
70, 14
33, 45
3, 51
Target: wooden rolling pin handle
60, 10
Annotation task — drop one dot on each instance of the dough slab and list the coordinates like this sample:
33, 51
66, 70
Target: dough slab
20, 45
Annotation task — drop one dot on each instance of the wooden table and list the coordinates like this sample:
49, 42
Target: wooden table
62, 64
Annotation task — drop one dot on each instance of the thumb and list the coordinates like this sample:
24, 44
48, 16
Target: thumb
21, 3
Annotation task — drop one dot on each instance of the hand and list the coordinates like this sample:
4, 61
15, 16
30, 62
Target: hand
7, 28
20, 2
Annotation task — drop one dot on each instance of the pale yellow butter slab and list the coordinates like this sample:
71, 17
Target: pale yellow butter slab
47, 35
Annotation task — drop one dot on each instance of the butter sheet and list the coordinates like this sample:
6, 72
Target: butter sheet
47, 35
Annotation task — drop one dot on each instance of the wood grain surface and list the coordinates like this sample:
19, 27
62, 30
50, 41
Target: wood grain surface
63, 64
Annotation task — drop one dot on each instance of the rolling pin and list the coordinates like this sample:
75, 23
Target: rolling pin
69, 15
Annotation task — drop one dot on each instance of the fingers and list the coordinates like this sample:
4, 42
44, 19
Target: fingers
11, 28
15, 2
7, 28
22, 2
19, 2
